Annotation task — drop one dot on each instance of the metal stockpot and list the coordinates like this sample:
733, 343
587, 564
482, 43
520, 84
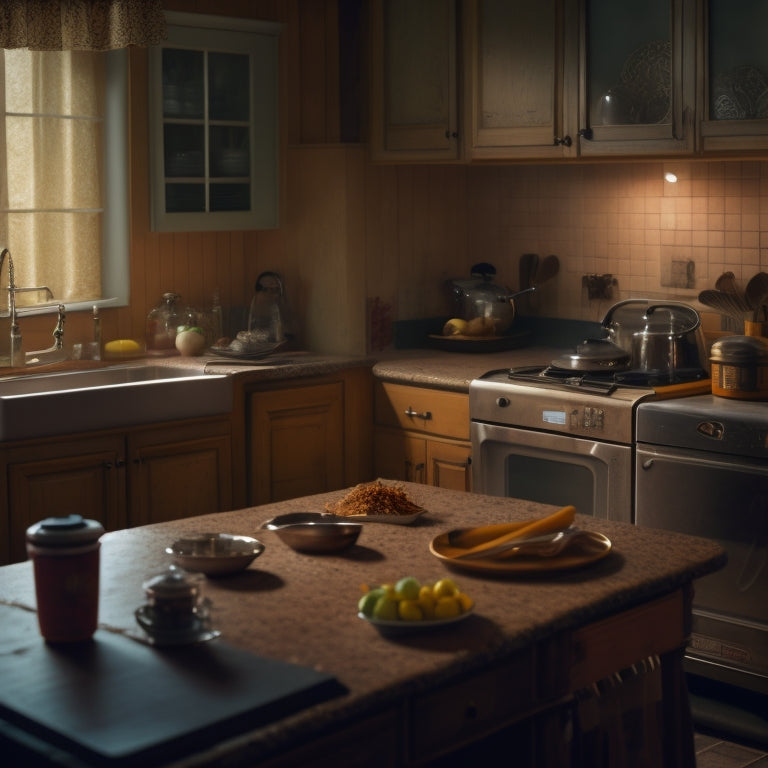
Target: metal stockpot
661, 338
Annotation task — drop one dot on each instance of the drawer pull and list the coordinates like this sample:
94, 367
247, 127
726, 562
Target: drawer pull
427, 415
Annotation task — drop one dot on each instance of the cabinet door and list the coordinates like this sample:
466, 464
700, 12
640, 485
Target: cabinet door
213, 117
448, 465
736, 78
414, 105
638, 77
400, 456
296, 442
521, 63
179, 471
84, 477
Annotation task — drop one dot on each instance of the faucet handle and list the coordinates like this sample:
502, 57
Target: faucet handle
58, 331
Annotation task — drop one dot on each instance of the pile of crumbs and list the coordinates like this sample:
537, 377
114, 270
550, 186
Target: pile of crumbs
374, 499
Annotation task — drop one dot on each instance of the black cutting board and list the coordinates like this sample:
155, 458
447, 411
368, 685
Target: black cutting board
114, 702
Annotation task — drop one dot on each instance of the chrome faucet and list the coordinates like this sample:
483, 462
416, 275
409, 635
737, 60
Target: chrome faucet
16, 352
17, 358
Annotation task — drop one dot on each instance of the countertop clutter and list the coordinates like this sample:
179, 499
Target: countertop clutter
530, 663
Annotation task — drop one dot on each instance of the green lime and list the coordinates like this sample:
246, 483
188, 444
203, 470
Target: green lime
367, 602
407, 588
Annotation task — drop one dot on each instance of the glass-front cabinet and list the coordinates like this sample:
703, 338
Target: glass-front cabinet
213, 123
414, 111
520, 78
735, 103
638, 77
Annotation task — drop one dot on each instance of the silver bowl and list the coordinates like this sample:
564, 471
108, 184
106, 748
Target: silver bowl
314, 531
215, 554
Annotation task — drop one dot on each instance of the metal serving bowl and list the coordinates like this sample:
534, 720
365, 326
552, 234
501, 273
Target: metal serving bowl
314, 531
215, 554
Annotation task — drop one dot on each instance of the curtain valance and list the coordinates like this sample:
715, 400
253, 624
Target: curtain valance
87, 25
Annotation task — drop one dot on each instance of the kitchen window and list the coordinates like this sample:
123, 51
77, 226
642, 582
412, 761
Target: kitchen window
64, 174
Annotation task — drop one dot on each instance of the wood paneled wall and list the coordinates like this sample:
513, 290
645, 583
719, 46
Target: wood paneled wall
197, 264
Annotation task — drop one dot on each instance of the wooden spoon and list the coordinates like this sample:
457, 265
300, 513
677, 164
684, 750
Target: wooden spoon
757, 294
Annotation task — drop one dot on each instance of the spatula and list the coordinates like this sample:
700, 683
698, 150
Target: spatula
757, 295
727, 304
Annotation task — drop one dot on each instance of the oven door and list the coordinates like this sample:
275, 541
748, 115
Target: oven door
595, 477
726, 499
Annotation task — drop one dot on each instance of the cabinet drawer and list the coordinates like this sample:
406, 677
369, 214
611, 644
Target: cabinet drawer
470, 709
430, 411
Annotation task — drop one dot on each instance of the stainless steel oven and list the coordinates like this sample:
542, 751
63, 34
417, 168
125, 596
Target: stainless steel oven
555, 440
702, 469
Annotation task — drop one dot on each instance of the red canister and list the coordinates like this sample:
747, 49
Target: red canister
65, 555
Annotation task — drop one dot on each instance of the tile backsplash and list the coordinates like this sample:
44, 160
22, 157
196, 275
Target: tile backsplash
655, 238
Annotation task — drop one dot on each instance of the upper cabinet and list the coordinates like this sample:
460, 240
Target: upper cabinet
520, 79
562, 79
414, 113
638, 77
213, 125
735, 82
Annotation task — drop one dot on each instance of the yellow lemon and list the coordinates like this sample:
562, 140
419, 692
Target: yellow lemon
444, 588
122, 347
465, 601
409, 610
447, 608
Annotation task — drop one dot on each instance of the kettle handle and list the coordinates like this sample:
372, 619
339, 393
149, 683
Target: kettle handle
275, 276
695, 319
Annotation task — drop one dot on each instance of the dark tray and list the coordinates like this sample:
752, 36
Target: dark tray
479, 343
117, 702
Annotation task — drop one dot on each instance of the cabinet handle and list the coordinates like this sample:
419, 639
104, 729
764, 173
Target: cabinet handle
451, 134
427, 415
565, 141
586, 133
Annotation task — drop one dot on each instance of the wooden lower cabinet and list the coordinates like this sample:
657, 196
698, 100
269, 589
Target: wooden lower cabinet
309, 436
183, 471
422, 436
401, 455
145, 475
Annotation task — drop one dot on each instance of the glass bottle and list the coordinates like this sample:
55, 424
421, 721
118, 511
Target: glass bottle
162, 322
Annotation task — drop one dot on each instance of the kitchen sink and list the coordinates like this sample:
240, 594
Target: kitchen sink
105, 398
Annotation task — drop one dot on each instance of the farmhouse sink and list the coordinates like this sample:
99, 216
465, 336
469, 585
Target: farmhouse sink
105, 398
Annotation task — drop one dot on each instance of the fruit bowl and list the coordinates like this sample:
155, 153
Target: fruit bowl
215, 554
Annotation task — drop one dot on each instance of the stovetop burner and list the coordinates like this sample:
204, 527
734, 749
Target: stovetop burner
604, 382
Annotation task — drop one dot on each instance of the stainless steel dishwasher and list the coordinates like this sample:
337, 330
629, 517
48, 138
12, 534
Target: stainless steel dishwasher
701, 468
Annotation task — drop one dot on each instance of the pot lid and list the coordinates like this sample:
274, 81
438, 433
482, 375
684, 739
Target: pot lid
646, 315
744, 350
594, 355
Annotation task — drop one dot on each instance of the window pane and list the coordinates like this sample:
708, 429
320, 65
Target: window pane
230, 197
185, 198
184, 150
182, 83
229, 86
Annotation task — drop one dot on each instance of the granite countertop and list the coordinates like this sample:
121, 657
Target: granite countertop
301, 608
453, 370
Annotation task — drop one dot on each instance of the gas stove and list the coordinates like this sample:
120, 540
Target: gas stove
565, 402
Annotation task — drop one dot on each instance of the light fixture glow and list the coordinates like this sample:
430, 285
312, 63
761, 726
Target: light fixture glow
670, 177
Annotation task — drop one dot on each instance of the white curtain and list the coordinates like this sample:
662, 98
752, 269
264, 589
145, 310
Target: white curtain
50, 171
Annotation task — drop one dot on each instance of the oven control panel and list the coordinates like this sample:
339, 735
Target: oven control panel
585, 418
578, 414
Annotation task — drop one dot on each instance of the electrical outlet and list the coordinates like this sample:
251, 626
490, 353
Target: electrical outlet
599, 286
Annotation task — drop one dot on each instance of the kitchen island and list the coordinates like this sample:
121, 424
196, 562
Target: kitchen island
547, 664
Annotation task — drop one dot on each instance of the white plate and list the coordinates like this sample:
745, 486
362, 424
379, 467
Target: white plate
401, 626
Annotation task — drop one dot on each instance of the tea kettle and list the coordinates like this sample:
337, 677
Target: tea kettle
268, 318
